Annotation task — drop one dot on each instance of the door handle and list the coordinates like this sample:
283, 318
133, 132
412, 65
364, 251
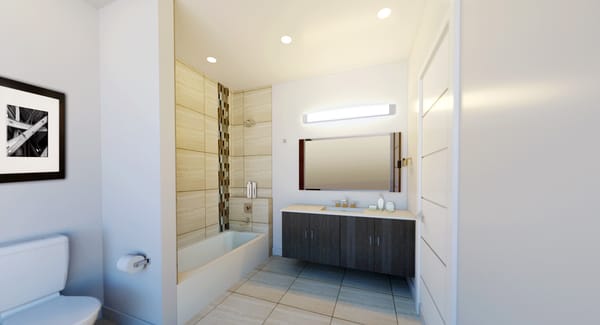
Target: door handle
305, 234
370, 240
312, 234
378, 241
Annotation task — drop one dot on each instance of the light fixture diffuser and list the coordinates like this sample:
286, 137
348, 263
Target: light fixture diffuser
349, 113
286, 39
384, 13
211, 59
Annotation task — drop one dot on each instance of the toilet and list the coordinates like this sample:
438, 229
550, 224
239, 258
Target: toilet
32, 274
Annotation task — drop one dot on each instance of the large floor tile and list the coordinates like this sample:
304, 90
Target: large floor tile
337, 321
208, 308
367, 281
408, 320
404, 305
266, 285
312, 295
324, 273
400, 287
293, 316
286, 266
365, 307
238, 309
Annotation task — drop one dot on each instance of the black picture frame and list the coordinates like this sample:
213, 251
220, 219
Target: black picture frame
6, 175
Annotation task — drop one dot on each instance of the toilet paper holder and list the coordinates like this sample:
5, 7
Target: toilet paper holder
143, 263
133, 263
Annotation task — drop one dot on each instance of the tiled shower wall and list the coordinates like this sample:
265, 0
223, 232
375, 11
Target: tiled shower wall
250, 160
197, 134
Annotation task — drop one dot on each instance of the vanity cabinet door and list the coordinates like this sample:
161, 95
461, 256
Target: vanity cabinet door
325, 239
296, 240
356, 240
394, 247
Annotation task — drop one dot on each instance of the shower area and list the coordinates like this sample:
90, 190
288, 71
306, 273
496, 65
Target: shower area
223, 141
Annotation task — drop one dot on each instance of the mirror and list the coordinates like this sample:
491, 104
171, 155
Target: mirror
361, 163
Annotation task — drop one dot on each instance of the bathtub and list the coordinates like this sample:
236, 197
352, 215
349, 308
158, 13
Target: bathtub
210, 267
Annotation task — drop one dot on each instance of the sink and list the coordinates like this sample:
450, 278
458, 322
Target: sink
343, 209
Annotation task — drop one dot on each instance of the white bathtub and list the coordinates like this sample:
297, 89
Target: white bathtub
210, 267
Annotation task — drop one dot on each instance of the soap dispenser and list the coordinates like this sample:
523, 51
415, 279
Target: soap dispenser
380, 203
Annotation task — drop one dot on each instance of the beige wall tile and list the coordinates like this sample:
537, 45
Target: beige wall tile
236, 168
212, 230
212, 135
262, 211
211, 95
236, 109
212, 171
257, 139
190, 170
236, 209
264, 192
236, 140
212, 207
257, 105
189, 88
237, 191
262, 228
189, 129
258, 169
240, 226
190, 211
191, 238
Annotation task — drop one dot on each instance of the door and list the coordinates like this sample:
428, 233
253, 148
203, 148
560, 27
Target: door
394, 247
325, 239
436, 120
356, 240
296, 240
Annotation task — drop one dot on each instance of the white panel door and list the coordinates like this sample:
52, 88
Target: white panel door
436, 124
435, 228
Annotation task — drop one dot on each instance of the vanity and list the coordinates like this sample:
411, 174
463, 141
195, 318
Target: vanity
355, 238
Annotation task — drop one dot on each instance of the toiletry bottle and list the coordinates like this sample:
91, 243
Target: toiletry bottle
380, 203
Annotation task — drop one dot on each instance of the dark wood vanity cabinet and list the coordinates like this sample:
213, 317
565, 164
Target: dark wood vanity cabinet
378, 245
311, 237
369, 244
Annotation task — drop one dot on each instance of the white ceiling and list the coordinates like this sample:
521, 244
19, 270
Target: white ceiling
329, 36
99, 3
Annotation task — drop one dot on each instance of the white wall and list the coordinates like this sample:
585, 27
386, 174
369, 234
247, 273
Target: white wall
528, 245
379, 84
138, 158
54, 44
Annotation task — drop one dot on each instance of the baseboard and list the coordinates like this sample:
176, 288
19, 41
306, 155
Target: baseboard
277, 251
121, 318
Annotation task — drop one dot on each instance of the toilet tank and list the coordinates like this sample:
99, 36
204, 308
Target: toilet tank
31, 270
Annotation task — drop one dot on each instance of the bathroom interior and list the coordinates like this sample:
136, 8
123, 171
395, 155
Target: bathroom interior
287, 162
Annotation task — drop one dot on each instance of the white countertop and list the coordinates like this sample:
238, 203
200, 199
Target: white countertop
365, 213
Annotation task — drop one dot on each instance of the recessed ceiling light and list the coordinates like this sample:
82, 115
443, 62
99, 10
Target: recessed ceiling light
384, 13
286, 39
211, 59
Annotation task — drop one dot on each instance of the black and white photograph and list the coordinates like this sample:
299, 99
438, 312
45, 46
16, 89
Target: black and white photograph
32, 132
27, 132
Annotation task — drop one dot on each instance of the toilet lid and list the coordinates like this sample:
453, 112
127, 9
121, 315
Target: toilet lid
61, 310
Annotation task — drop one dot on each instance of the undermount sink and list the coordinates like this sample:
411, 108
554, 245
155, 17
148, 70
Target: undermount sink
343, 209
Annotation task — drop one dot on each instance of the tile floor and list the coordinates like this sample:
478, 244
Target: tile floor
287, 291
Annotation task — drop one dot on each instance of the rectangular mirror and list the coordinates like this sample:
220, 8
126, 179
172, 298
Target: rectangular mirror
361, 163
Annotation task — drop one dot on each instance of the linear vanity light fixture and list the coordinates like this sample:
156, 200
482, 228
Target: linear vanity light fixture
349, 113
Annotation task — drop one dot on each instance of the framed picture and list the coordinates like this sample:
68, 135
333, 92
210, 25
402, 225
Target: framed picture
32, 132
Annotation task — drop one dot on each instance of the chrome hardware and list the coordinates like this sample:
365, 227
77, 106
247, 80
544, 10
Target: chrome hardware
370, 240
143, 263
377, 241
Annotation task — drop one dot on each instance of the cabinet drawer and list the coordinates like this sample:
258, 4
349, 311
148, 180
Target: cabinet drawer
435, 227
433, 274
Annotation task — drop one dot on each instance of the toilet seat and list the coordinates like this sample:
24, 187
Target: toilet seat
62, 310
